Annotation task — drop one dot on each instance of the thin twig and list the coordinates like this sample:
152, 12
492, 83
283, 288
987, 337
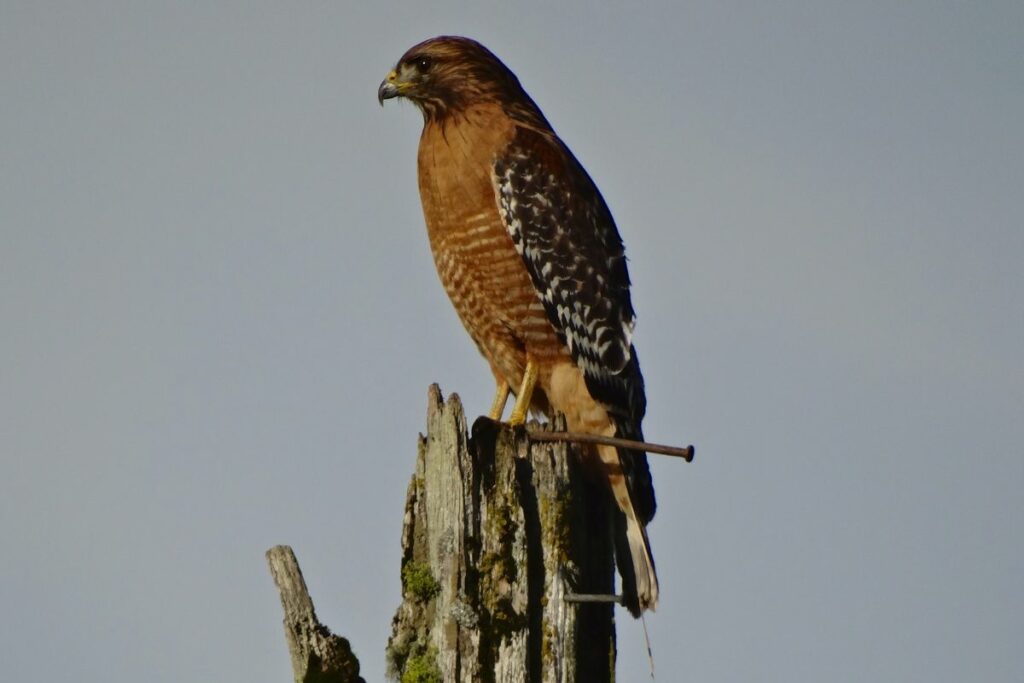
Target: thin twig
686, 453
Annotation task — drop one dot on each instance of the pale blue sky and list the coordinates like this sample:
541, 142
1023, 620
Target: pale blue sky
220, 317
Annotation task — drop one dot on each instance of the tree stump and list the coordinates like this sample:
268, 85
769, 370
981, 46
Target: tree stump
497, 531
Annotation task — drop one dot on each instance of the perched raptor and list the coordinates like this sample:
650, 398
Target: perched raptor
530, 256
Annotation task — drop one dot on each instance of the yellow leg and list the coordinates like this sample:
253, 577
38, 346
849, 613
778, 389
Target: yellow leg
522, 405
500, 399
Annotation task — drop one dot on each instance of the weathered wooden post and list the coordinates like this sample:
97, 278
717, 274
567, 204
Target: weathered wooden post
498, 532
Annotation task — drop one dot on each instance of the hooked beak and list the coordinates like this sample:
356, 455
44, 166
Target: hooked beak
388, 88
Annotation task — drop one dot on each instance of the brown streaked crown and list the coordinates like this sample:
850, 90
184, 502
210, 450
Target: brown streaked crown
447, 74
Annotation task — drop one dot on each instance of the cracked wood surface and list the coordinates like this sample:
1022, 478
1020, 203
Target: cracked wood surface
496, 531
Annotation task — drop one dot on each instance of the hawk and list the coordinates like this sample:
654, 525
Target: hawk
529, 254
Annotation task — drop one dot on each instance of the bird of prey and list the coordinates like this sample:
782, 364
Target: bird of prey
529, 254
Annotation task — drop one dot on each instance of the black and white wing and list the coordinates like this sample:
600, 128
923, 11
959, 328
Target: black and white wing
565, 233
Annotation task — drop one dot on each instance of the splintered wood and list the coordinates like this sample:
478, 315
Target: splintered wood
498, 531
318, 656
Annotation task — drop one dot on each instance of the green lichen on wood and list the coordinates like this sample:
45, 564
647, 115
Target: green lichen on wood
497, 566
422, 668
408, 656
505, 620
554, 519
548, 636
418, 581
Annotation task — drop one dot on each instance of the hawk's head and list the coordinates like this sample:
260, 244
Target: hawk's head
448, 73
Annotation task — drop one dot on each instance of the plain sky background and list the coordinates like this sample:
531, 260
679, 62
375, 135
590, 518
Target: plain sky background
220, 318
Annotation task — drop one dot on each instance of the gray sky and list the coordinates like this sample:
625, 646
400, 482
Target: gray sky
220, 317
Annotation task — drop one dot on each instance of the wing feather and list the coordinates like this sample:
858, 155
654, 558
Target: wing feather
561, 226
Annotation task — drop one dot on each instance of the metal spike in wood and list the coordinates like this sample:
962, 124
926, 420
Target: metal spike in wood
318, 656
593, 597
684, 452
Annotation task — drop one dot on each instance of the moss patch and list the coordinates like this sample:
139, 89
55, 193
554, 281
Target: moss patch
554, 519
419, 582
422, 668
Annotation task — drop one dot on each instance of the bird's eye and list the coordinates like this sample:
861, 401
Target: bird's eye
423, 64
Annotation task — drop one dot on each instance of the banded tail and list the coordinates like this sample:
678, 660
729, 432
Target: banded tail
631, 488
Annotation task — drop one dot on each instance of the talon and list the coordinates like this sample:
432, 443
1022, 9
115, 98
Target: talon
525, 393
500, 399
